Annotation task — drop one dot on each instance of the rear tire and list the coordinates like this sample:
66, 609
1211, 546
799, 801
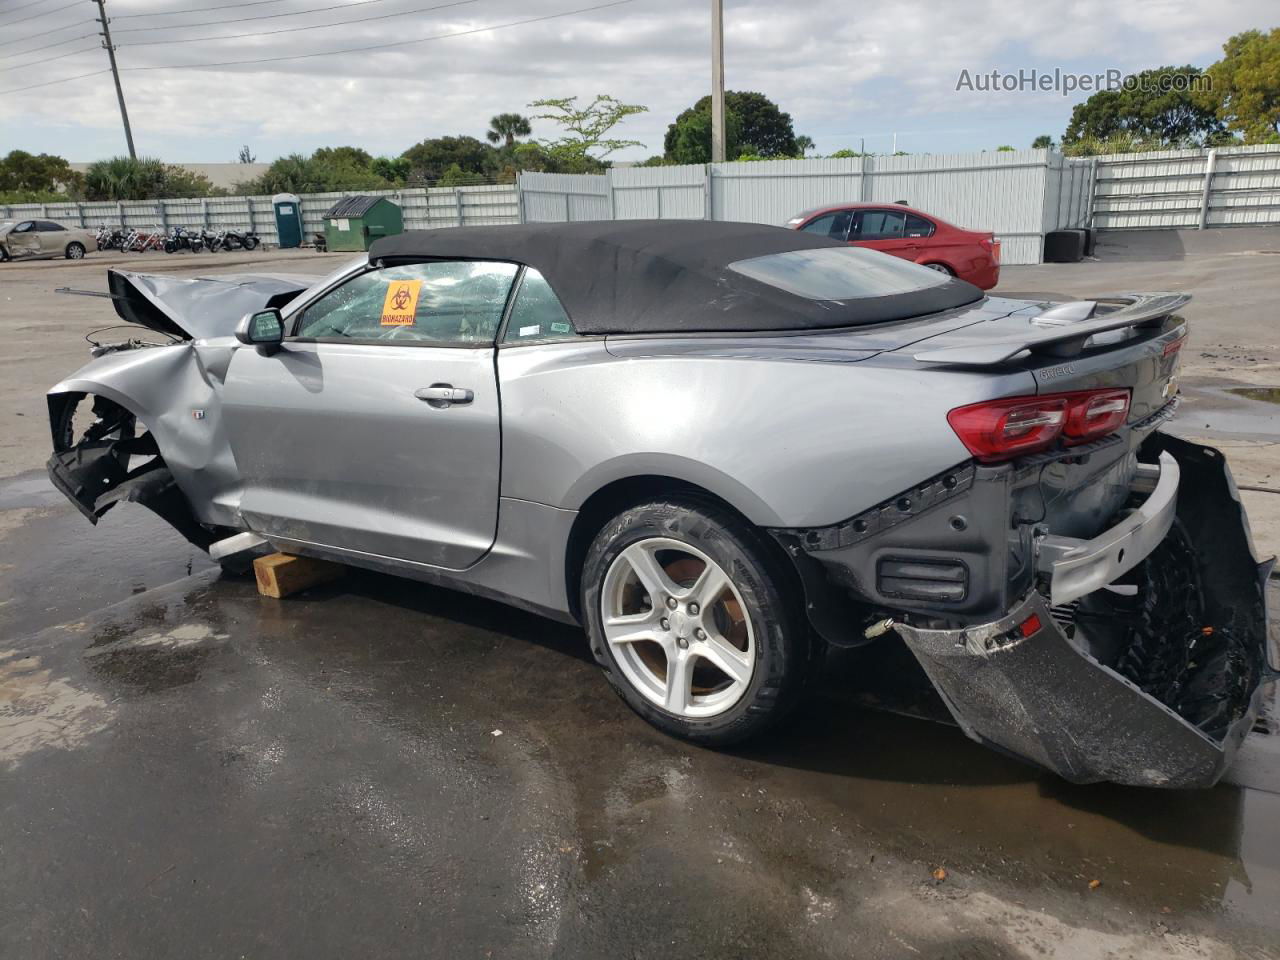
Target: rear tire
75, 251
714, 672
941, 268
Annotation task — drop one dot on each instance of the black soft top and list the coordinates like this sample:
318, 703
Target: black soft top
667, 276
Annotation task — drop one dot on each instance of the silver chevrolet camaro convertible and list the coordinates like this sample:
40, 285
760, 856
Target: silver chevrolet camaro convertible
721, 448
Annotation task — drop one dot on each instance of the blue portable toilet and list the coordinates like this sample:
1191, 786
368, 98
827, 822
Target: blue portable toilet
288, 211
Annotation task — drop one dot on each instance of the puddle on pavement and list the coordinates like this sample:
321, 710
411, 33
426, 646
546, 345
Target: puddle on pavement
40, 711
1263, 394
1246, 411
57, 566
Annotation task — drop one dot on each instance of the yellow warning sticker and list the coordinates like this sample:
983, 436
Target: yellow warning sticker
401, 303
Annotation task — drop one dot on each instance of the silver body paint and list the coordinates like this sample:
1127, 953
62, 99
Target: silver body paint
323, 448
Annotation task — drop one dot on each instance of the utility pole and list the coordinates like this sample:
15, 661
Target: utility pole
717, 81
115, 72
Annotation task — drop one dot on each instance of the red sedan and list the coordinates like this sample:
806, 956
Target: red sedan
971, 255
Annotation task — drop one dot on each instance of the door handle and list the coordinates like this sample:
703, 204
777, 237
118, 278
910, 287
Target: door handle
441, 395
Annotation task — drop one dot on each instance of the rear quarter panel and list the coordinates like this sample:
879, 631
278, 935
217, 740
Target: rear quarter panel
787, 442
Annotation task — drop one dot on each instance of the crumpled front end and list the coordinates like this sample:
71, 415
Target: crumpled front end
1146, 673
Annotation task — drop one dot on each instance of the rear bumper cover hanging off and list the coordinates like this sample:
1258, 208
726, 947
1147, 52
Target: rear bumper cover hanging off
1026, 685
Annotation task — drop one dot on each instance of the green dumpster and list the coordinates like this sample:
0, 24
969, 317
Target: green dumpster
353, 223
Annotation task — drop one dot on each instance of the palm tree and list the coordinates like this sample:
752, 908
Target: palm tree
506, 127
804, 144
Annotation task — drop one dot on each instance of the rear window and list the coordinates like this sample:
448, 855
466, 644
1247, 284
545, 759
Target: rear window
840, 273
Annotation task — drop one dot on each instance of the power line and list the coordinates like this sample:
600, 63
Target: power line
330, 53
386, 46
43, 60
174, 13
23, 7
50, 83
45, 33
265, 16
37, 16
317, 26
47, 46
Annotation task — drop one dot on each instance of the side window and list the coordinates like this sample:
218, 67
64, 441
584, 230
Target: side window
537, 313
918, 226
439, 301
48, 226
833, 225
26, 226
880, 225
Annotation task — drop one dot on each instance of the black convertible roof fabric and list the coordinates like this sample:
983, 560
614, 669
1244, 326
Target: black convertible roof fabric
666, 276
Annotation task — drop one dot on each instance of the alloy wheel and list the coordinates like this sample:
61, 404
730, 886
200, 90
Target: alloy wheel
678, 628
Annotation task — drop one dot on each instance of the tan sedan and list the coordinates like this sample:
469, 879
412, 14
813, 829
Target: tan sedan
43, 239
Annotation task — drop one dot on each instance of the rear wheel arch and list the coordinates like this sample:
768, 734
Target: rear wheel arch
619, 495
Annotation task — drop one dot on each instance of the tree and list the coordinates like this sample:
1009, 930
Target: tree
38, 173
765, 129
505, 127
430, 159
327, 169
392, 169
245, 155
1157, 104
845, 153
585, 141
1245, 93
1042, 142
455, 176
143, 178
803, 145
692, 141
1004, 148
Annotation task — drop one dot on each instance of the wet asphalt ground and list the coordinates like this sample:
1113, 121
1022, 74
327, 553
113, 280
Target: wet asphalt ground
380, 768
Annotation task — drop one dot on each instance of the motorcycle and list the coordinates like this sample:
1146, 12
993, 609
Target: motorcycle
236, 240
182, 239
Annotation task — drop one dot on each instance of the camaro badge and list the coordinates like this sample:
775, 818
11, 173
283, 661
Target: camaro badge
400, 305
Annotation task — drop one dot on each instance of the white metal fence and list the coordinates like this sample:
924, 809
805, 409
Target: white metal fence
1019, 195
1016, 194
1232, 186
422, 208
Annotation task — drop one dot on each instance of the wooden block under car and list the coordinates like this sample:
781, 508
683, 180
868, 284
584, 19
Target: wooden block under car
282, 574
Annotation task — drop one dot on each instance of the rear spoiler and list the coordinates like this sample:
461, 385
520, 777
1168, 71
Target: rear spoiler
1064, 329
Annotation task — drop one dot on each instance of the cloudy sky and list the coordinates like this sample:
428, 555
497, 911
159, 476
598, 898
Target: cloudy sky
847, 72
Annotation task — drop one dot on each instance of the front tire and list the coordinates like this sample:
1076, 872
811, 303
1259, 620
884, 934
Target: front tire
696, 621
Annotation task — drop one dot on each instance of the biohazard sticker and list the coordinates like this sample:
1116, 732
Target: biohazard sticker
401, 303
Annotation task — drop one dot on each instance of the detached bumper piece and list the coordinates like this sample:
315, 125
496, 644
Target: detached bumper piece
94, 476
1152, 682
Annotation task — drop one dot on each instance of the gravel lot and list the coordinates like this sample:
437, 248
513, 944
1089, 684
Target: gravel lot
377, 768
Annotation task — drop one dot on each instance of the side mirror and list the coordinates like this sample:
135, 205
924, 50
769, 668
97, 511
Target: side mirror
263, 329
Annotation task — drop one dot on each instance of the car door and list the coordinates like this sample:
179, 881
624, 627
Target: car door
23, 240
374, 429
884, 230
53, 238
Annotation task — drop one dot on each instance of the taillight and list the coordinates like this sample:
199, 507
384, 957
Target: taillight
990, 243
1095, 414
997, 430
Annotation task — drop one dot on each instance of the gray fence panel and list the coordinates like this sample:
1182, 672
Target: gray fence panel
1143, 191
560, 197
659, 193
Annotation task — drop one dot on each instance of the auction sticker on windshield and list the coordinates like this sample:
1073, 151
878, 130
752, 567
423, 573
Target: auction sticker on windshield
400, 305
